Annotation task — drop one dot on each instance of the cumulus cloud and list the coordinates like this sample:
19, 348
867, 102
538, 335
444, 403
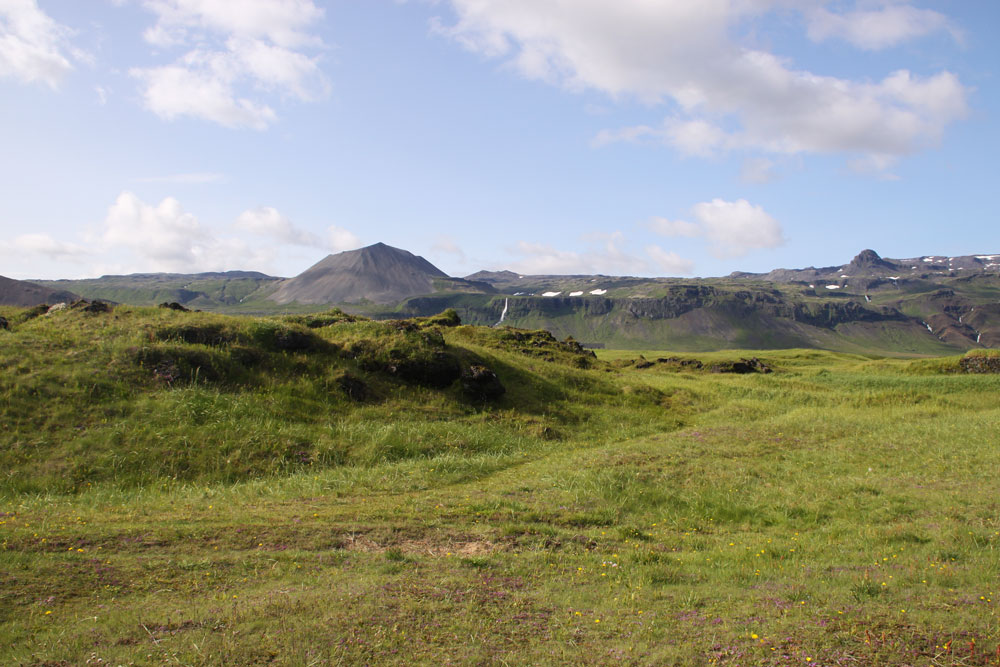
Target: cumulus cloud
606, 255
238, 56
721, 94
733, 228
33, 47
165, 237
144, 237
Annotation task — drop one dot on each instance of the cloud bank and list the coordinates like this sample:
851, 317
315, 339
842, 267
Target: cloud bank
721, 93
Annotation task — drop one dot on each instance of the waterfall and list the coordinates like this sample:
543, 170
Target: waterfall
503, 315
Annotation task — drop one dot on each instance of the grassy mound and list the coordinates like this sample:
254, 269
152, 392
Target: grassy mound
135, 395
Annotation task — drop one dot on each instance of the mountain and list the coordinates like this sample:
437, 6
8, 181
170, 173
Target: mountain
925, 305
23, 293
868, 264
378, 274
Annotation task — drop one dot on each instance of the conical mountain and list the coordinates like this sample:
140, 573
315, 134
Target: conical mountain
378, 273
22, 293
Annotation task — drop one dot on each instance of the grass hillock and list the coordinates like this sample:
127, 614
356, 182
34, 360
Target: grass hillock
136, 395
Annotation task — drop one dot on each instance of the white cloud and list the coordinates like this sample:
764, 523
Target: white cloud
42, 244
33, 47
174, 91
737, 227
239, 55
670, 262
284, 22
167, 238
879, 28
723, 95
733, 228
340, 239
268, 221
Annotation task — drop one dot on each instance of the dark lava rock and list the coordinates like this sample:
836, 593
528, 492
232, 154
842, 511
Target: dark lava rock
353, 386
173, 305
980, 364
480, 383
198, 334
681, 363
437, 370
4, 324
293, 340
742, 367
96, 307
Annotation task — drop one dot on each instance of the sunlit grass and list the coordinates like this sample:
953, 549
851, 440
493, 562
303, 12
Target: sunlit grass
841, 510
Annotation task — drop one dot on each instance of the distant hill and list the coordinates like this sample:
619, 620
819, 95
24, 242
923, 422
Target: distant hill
23, 293
216, 290
378, 274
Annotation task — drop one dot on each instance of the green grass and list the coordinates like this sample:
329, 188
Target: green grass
841, 510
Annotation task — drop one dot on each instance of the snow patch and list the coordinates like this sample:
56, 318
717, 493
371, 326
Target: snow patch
598, 292
551, 293
833, 286
576, 293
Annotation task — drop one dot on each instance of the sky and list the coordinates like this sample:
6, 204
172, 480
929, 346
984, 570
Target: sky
621, 137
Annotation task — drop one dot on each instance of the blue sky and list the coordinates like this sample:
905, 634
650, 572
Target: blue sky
633, 137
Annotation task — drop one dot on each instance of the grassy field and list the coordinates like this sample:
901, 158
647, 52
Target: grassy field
195, 489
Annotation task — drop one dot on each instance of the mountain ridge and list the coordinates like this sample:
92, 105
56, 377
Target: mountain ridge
932, 304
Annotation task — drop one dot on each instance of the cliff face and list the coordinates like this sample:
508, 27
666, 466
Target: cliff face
696, 317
